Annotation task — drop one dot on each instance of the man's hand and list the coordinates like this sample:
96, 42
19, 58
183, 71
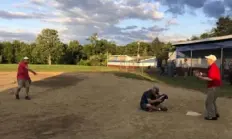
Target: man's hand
34, 73
205, 78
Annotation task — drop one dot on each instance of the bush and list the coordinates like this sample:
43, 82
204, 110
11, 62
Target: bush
95, 60
1, 59
84, 62
98, 60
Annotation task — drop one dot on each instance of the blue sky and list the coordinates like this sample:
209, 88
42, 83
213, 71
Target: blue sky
122, 21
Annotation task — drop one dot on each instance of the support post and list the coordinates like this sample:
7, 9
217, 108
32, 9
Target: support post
142, 68
222, 64
107, 58
191, 54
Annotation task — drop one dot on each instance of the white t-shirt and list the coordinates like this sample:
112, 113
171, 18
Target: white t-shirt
185, 65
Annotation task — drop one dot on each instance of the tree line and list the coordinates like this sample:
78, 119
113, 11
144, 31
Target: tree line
48, 49
223, 27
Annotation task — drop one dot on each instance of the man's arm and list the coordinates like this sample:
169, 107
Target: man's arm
30, 70
150, 101
203, 74
205, 78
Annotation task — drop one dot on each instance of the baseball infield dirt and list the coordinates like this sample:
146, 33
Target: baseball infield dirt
104, 106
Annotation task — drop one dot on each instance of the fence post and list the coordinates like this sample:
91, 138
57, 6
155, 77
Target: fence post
142, 68
222, 64
126, 66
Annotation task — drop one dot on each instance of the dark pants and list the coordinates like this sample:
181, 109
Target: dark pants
162, 70
210, 103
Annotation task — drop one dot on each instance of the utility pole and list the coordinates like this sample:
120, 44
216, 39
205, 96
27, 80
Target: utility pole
138, 51
95, 38
107, 58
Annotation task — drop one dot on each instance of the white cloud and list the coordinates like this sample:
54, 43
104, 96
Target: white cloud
84, 17
78, 19
20, 15
17, 34
172, 21
38, 2
211, 8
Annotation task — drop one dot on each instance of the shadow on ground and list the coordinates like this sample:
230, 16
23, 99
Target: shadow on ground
60, 81
56, 82
49, 127
131, 76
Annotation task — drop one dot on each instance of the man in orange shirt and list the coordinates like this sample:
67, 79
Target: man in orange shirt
23, 78
214, 82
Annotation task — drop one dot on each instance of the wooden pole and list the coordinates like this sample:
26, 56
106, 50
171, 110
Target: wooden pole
221, 63
191, 53
107, 59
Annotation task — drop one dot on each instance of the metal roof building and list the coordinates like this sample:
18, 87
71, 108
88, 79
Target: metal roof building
219, 46
210, 43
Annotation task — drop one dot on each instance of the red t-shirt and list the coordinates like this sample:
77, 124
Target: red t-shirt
23, 71
215, 75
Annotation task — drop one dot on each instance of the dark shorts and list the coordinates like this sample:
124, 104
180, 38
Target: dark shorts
24, 83
144, 107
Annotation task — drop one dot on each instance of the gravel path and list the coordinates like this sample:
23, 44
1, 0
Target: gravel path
104, 106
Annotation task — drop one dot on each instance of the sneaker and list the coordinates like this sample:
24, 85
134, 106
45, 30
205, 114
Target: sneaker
17, 97
214, 118
27, 98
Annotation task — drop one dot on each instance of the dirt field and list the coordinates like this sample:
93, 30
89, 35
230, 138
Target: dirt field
104, 106
8, 79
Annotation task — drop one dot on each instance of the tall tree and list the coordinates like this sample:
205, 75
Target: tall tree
49, 45
224, 26
120, 50
111, 48
205, 36
17, 51
1, 52
193, 38
73, 53
37, 55
158, 47
93, 40
88, 50
26, 50
8, 52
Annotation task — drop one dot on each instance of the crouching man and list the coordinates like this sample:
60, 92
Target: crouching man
151, 100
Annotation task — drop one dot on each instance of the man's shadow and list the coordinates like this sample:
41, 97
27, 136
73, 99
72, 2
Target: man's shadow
53, 83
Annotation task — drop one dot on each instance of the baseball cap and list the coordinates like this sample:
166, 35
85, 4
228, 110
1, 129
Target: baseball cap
212, 57
25, 58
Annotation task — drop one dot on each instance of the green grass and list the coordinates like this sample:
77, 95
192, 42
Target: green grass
192, 83
135, 75
57, 68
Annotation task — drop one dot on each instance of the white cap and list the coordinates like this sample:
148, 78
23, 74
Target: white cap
25, 58
212, 57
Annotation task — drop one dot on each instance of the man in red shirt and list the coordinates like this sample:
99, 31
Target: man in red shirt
214, 82
23, 78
